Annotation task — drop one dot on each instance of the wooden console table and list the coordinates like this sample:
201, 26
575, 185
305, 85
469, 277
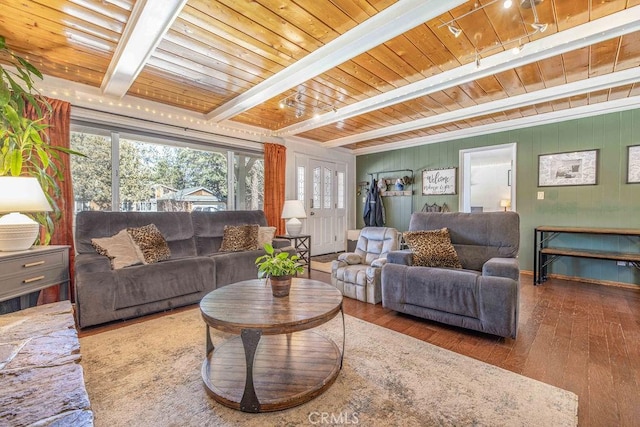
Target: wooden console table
544, 255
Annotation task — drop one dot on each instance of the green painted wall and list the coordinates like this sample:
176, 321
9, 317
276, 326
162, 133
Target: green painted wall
611, 203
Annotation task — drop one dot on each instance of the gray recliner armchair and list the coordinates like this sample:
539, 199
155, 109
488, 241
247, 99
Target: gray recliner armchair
483, 295
357, 274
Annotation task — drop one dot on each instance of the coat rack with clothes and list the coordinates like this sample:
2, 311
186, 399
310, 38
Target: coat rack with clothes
374, 212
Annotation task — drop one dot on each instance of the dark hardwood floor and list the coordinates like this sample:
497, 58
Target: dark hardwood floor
577, 336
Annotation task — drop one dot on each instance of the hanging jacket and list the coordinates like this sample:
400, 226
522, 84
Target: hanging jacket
373, 209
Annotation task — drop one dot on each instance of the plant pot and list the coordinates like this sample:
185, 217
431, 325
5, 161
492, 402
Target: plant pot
280, 285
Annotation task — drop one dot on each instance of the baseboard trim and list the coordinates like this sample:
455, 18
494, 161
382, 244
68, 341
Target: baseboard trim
630, 286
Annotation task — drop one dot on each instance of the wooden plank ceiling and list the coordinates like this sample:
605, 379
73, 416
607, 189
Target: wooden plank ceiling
214, 51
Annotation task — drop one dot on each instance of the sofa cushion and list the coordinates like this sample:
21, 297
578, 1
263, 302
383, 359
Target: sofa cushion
432, 248
151, 242
240, 238
449, 291
120, 249
208, 227
176, 227
146, 284
265, 235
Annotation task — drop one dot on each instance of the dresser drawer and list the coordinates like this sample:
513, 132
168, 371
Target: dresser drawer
37, 262
16, 285
24, 272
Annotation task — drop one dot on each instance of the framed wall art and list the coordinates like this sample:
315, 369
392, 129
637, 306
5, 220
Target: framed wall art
439, 181
573, 168
633, 164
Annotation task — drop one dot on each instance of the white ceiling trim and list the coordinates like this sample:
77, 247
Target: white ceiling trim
515, 124
148, 23
583, 35
607, 81
391, 22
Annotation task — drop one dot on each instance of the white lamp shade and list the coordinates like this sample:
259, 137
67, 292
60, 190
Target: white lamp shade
22, 194
505, 203
293, 209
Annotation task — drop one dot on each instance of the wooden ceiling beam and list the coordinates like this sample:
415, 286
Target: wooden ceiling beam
512, 124
607, 81
146, 26
606, 28
391, 22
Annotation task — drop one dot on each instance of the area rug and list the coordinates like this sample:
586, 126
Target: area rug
323, 262
325, 267
148, 374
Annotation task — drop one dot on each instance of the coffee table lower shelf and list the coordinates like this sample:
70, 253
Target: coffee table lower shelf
288, 370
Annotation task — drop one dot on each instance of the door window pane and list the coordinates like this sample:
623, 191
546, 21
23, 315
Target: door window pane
328, 175
317, 195
340, 195
300, 183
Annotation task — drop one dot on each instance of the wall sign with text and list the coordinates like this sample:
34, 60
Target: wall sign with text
439, 181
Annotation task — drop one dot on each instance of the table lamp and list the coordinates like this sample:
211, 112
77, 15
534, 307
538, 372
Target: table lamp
505, 203
292, 210
20, 194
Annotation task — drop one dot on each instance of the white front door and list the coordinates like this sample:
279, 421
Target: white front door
326, 221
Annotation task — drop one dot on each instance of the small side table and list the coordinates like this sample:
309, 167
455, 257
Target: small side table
302, 245
24, 272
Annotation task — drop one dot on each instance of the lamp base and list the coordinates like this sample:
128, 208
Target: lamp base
18, 232
294, 227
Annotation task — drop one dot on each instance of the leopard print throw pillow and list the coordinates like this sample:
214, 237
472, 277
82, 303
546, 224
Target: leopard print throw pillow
151, 242
238, 238
432, 248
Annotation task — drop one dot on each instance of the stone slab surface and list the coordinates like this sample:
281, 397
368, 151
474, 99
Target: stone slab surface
41, 380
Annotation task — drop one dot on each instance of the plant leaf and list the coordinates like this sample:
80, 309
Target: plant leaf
5, 94
26, 64
16, 163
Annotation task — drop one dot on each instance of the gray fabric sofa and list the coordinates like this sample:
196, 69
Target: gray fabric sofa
194, 269
484, 295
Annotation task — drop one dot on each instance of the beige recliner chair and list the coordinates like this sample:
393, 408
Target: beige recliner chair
357, 274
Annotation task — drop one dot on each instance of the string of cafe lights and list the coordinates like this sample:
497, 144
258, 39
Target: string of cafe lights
170, 116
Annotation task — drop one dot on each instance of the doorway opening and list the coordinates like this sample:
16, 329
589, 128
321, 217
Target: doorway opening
488, 178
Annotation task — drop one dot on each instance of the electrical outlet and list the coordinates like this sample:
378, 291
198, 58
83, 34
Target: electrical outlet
540, 195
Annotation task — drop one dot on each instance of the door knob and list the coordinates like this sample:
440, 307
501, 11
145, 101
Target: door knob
312, 213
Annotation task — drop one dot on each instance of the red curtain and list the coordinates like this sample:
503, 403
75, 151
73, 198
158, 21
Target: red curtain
59, 134
275, 157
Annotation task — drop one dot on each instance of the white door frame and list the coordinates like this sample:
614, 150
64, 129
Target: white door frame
464, 200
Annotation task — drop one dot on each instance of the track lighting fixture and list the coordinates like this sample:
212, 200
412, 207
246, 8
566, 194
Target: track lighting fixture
454, 30
302, 105
540, 28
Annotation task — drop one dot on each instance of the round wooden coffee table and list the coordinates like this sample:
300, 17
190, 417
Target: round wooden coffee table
275, 362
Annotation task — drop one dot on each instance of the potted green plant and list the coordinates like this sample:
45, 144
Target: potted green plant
278, 268
24, 147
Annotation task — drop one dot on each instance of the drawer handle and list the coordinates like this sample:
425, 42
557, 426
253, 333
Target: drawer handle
33, 264
33, 279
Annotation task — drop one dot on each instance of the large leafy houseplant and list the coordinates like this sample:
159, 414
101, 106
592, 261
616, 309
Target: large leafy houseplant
24, 146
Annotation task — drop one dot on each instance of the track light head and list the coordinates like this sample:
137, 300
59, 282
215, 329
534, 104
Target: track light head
454, 30
540, 28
